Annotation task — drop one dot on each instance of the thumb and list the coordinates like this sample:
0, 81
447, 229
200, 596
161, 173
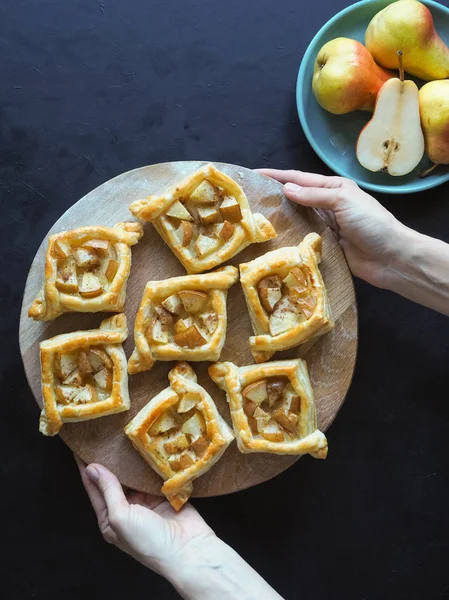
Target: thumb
314, 197
112, 491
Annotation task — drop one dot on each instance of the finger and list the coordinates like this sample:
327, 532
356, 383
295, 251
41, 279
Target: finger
303, 179
94, 494
315, 197
111, 490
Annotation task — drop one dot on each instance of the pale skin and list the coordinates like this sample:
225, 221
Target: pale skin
181, 546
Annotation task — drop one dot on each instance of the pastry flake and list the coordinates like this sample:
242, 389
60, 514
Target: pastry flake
286, 298
272, 407
182, 318
205, 220
86, 270
84, 375
180, 434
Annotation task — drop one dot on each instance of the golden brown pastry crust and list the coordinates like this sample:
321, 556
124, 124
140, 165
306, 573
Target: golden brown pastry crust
178, 484
109, 337
215, 284
52, 302
306, 255
253, 227
233, 379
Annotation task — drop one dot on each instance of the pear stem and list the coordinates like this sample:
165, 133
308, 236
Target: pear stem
401, 65
429, 170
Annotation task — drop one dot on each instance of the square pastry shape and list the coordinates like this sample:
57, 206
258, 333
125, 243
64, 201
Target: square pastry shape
272, 407
180, 434
84, 375
182, 318
286, 298
205, 220
86, 270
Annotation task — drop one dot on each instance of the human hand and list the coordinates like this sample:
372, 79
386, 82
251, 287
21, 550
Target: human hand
179, 546
143, 525
369, 234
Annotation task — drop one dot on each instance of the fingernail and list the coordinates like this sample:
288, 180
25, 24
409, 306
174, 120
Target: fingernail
92, 473
292, 187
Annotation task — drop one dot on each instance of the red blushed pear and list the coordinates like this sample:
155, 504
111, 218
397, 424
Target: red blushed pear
346, 78
408, 25
393, 141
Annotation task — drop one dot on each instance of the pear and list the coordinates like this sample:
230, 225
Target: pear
407, 25
434, 109
393, 140
346, 78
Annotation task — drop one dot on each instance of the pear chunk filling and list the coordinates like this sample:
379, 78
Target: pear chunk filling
272, 408
289, 301
86, 270
205, 220
83, 376
179, 434
186, 319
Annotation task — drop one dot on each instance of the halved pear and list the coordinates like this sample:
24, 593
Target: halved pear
393, 141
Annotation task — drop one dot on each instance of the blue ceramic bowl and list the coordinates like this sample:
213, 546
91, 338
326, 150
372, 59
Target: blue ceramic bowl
334, 137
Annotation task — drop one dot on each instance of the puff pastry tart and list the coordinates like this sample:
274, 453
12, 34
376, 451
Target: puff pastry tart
182, 318
272, 407
205, 220
84, 375
286, 297
180, 434
86, 270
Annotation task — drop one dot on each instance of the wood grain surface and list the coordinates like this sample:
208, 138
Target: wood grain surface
331, 358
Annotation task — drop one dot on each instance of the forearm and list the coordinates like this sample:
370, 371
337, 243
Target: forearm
421, 271
215, 571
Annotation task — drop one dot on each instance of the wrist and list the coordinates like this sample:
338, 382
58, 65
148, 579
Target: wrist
402, 257
419, 271
209, 568
186, 570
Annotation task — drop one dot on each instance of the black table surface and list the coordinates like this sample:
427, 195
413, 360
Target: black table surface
91, 89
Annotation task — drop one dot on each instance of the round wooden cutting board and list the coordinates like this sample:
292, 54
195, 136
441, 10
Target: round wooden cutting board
330, 358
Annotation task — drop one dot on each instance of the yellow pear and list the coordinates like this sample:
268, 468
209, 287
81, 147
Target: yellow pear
434, 109
407, 25
346, 78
